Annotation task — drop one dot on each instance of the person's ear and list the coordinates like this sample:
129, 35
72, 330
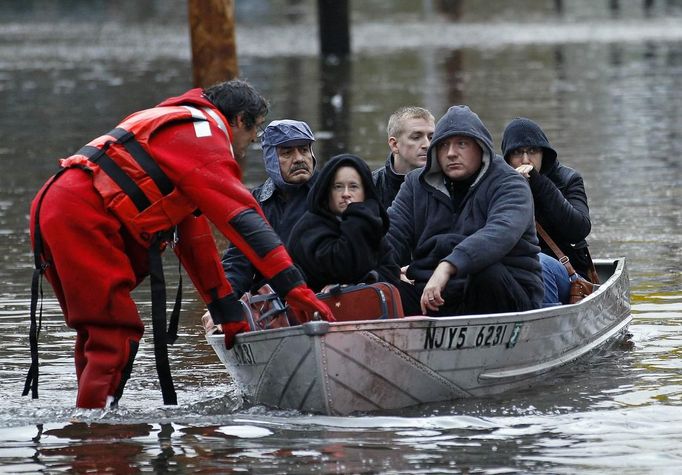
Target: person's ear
393, 144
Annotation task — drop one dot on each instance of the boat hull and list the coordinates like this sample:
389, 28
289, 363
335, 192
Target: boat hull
345, 367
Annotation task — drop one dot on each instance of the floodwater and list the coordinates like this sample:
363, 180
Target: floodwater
603, 78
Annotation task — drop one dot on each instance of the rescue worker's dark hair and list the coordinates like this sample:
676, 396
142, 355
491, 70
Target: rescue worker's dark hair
235, 97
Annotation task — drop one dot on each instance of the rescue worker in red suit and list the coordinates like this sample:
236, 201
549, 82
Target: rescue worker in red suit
95, 236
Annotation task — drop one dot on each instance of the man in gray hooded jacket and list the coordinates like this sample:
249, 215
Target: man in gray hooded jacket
290, 165
464, 224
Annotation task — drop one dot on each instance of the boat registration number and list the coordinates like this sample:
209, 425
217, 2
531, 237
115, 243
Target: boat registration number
457, 338
244, 354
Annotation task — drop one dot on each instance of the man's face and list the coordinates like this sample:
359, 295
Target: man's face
409, 148
459, 157
243, 136
295, 162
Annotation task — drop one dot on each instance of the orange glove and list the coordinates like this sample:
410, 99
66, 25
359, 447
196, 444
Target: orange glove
230, 329
303, 300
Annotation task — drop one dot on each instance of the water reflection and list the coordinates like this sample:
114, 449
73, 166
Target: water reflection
529, 441
335, 105
93, 447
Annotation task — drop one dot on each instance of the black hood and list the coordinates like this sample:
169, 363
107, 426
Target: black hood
319, 194
522, 132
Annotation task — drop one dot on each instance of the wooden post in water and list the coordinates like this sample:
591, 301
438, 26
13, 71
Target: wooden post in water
334, 30
214, 49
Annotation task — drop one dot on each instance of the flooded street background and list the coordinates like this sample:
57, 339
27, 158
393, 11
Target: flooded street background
603, 78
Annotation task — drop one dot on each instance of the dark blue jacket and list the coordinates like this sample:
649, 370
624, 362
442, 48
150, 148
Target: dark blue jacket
331, 249
558, 192
492, 223
387, 181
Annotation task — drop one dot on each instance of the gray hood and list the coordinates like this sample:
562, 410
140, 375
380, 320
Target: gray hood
458, 120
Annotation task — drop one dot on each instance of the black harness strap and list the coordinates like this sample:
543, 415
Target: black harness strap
40, 266
127, 139
129, 187
33, 334
161, 338
172, 333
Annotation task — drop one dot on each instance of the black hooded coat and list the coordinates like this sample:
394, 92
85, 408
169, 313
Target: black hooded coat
345, 249
558, 193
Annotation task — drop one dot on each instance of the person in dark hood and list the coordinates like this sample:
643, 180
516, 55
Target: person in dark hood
290, 165
409, 132
464, 224
558, 191
340, 238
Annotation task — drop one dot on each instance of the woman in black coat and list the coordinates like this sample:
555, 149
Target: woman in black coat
340, 238
558, 191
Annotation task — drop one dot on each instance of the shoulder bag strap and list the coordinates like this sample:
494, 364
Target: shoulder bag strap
563, 258
592, 271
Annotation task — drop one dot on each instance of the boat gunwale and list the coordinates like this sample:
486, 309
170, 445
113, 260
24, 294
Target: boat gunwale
323, 327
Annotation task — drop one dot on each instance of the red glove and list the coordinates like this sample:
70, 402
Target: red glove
303, 299
230, 329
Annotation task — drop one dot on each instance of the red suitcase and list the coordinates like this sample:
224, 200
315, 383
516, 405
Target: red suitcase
364, 301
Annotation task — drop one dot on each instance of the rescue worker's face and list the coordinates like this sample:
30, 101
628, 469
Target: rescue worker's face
295, 162
243, 136
459, 157
346, 188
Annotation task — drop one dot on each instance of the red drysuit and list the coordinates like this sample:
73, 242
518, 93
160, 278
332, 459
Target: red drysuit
96, 237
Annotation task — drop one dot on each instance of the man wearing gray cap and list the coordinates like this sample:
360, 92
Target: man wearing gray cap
290, 165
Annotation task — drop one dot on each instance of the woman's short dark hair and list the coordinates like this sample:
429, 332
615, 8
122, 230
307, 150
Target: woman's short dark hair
235, 97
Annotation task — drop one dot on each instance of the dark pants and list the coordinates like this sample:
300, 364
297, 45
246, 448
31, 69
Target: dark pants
409, 296
493, 290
